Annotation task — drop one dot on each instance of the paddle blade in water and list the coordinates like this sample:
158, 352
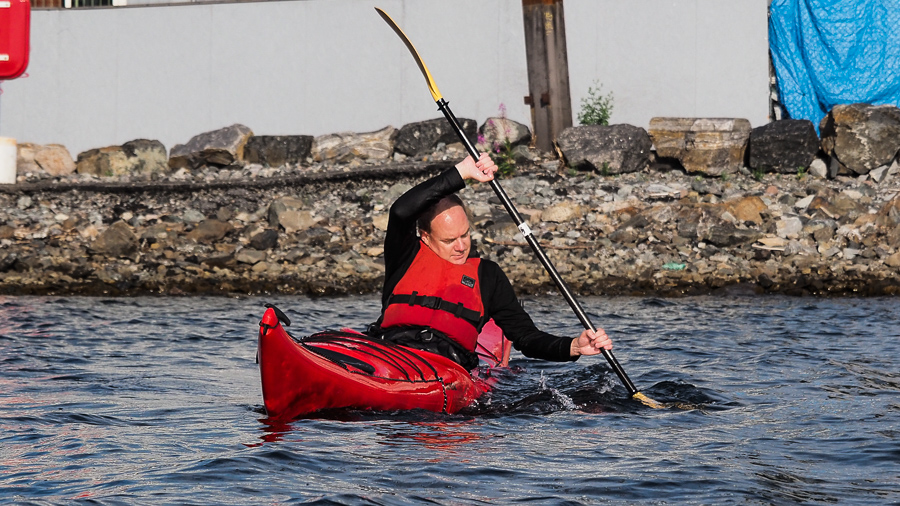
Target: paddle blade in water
648, 401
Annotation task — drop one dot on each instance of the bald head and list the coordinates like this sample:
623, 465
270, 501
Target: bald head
445, 229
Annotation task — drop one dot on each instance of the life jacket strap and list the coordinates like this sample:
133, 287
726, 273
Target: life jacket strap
432, 302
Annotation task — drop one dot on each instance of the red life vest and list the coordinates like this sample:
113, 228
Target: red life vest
438, 294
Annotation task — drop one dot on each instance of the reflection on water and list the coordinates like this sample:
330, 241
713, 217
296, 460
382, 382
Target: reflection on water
157, 400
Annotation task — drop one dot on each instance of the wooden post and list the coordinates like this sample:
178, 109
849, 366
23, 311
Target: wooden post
548, 70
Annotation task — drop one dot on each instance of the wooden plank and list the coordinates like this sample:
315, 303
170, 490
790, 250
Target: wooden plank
548, 70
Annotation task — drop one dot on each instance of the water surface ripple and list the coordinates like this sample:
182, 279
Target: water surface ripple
157, 401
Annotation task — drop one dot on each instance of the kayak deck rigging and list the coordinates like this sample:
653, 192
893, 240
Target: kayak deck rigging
345, 369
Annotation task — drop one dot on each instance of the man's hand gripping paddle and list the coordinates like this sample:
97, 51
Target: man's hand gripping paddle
444, 107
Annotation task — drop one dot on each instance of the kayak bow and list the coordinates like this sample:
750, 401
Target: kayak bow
349, 370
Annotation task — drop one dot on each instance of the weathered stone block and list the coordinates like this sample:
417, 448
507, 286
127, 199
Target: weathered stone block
783, 146
345, 146
712, 146
54, 159
278, 150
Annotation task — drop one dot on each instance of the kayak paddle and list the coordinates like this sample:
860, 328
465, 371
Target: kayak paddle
444, 107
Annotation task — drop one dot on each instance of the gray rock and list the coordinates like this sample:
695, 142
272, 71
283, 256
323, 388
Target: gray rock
835, 168
561, 212
265, 240
616, 149
862, 137
880, 174
220, 261
818, 168
496, 132
783, 146
789, 226
8, 260
250, 256
315, 236
727, 235
217, 148
146, 156
793, 248
288, 213
416, 139
210, 231
117, 240
278, 150
192, 216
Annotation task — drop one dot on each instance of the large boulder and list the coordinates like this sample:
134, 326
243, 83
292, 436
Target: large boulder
51, 159
861, 137
278, 150
346, 146
140, 156
496, 132
615, 149
712, 146
416, 139
54, 159
217, 148
783, 146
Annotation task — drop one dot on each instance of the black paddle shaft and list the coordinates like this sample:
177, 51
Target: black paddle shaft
444, 107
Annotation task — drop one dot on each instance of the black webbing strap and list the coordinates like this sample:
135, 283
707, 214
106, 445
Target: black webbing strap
432, 302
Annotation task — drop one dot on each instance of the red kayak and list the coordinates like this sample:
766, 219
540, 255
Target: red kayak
348, 370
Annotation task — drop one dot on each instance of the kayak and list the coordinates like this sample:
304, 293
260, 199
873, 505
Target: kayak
345, 369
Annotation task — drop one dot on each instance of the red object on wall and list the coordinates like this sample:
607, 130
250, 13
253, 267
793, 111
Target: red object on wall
15, 31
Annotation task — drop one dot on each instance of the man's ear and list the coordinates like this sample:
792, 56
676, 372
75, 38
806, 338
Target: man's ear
426, 237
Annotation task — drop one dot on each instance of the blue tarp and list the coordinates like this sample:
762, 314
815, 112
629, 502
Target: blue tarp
830, 52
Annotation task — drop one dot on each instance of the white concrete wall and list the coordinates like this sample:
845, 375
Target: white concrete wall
104, 76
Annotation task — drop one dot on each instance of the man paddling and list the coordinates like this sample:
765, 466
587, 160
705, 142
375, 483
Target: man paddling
438, 294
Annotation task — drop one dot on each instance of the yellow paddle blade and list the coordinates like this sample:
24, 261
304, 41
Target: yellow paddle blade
648, 401
432, 87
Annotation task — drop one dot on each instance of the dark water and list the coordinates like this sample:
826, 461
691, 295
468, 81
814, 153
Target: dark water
157, 401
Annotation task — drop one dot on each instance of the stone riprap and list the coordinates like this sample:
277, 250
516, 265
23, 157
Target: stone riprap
613, 214
319, 229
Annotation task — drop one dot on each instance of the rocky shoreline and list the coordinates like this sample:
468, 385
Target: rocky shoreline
317, 229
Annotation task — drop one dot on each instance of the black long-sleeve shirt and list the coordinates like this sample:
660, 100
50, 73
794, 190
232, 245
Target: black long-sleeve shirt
401, 245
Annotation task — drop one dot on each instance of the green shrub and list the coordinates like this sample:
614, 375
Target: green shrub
596, 108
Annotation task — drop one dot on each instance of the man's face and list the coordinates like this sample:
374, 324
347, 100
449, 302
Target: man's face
449, 237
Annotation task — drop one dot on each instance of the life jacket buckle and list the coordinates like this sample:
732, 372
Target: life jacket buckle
431, 302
